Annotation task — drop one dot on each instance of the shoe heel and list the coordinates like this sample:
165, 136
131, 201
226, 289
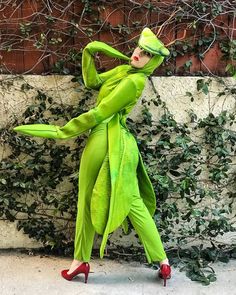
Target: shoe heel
86, 274
85, 277
164, 282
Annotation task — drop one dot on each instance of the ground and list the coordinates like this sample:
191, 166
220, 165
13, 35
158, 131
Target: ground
22, 274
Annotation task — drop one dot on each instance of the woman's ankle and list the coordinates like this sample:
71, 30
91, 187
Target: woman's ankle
165, 261
77, 261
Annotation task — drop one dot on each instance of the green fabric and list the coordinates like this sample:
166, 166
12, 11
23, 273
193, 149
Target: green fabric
109, 105
119, 90
147, 231
93, 185
149, 42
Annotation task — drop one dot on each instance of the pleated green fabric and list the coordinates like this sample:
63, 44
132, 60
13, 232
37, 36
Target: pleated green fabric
116, 183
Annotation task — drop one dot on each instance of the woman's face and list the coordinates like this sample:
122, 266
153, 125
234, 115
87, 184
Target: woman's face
140, 58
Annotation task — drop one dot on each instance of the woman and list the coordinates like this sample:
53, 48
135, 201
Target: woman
113, 182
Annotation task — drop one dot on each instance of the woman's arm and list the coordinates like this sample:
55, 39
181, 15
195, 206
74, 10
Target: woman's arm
124, 94
90, 76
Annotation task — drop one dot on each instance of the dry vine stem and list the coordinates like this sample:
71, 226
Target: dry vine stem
165, 22
178, 39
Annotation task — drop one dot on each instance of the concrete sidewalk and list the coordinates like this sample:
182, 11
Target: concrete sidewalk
22, 274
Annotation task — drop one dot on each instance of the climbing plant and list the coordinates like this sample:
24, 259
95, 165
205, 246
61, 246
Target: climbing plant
46, 37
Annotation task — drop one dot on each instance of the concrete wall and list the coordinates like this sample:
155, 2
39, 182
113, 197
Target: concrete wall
171, 89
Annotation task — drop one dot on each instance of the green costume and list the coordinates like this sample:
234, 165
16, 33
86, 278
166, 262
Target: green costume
112, 177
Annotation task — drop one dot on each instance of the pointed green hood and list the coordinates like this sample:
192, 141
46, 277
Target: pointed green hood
149, 42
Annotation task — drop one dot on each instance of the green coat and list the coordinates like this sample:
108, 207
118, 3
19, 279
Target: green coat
119, 90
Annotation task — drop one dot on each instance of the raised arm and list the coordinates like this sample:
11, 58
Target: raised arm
125, 93
90, 76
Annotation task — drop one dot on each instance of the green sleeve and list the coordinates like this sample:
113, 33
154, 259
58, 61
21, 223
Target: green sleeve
90, 76
124, 94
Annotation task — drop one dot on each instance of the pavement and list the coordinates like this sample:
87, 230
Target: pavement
36, 274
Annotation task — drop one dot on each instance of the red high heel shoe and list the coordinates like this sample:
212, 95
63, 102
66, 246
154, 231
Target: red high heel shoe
164, 272
82, 268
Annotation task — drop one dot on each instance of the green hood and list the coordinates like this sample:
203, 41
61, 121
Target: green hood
149, 42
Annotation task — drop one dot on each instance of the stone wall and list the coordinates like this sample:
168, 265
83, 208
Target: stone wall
171, 89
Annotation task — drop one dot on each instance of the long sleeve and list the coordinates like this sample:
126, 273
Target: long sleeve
90, 76
123, 95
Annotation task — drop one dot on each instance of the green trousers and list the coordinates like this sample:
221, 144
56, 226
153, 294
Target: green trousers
144, 225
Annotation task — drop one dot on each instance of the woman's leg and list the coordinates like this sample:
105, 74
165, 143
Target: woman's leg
91, 161
147, 231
